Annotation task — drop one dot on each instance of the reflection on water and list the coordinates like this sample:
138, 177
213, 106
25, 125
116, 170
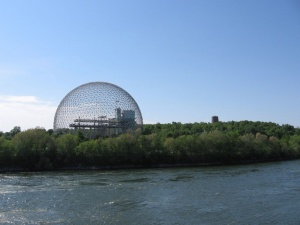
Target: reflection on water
251, 194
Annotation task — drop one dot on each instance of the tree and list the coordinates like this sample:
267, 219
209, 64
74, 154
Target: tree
34, 149
7, 152
294, 143
15, 130
66, 145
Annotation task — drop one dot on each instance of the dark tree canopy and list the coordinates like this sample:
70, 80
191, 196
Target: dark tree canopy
167, 144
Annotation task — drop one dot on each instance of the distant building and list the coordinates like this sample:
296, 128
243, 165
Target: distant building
128, 115
214, 119
98, 109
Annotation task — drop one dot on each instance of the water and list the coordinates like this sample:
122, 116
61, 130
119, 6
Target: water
251, 194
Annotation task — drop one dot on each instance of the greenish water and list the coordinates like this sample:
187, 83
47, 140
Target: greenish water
251, 194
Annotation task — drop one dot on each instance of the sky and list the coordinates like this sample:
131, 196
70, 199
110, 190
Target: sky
181, 60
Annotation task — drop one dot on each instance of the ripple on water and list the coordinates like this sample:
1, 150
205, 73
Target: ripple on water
137, 180
93, 183
127, 204
249, 194
182, 178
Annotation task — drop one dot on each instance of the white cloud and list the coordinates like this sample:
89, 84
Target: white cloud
19, 99
26, 112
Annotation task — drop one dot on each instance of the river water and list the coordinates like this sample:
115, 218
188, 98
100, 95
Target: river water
266, 193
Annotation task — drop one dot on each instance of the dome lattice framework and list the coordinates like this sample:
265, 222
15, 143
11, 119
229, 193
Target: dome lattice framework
98, 107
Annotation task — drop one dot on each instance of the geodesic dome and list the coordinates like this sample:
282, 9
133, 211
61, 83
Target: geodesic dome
98, 106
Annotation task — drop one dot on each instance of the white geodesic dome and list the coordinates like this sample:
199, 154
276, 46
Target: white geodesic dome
99, 106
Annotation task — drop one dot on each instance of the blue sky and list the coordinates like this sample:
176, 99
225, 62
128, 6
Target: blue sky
182, 61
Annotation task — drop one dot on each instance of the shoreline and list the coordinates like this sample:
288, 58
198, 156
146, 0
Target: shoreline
133, 167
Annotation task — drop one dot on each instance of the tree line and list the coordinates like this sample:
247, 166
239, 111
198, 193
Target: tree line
158, 144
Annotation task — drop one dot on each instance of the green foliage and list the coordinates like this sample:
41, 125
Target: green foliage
34, 149
159, 144
87, 152
294, 144
65, 149
243, 127
7, 152
11, 134
81, 137
15, 130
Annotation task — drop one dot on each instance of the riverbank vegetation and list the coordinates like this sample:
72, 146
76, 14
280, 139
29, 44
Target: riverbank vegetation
158, 144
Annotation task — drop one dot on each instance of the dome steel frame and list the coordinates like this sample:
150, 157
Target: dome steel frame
101, 108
